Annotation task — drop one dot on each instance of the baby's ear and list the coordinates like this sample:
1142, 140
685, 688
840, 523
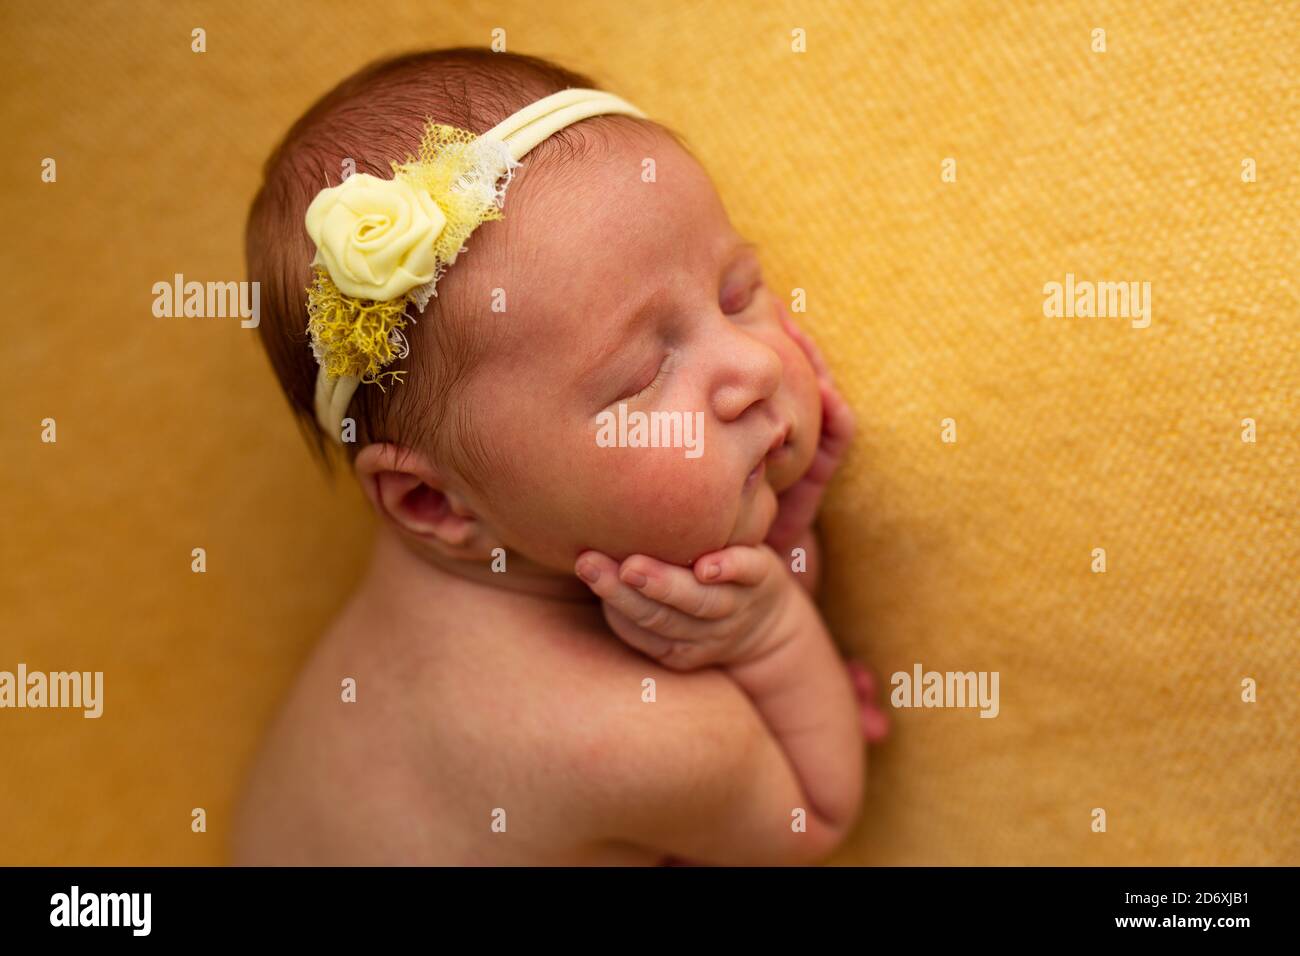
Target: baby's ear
406, 490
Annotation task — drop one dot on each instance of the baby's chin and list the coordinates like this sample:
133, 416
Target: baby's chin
751, 513
750, 518
754, 517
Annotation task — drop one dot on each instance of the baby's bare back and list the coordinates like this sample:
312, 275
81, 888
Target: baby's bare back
492, 730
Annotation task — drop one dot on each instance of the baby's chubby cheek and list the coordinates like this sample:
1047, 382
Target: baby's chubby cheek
656, 501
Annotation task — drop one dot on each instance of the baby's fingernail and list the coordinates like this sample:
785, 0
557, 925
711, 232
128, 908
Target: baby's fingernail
711, 571
589, 572
634, 578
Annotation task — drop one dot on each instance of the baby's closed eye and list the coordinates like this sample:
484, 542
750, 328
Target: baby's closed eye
650, 386
737, 296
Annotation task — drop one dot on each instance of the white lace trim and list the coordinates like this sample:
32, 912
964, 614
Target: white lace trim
492, 161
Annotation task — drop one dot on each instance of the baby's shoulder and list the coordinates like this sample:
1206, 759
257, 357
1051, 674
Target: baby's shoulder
548, 717
626, 730
599, 730
562, 685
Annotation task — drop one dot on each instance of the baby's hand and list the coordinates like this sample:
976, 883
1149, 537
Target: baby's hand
728, 608
797, 505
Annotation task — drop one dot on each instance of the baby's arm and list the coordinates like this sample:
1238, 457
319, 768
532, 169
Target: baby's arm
754, 621
698, 776
804, 694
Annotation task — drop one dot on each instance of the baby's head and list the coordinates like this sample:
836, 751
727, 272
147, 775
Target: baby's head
614, 288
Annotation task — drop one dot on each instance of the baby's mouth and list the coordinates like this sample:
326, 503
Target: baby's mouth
780, 452
780, 447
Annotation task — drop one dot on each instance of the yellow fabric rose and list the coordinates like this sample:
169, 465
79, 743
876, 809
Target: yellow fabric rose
375, 236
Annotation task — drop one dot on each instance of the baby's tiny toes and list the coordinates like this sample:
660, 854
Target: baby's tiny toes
864, 682
875, 724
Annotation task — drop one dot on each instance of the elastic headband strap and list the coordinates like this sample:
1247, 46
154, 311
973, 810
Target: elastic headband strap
532, 124
520, 132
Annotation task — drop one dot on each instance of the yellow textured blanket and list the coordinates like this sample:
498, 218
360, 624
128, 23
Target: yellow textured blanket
924, 172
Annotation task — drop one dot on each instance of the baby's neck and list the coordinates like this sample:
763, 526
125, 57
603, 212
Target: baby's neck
398, 567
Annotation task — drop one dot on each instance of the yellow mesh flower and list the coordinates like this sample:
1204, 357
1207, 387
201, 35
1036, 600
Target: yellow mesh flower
353, 336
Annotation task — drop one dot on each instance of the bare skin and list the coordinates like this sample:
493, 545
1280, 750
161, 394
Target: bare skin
486, 698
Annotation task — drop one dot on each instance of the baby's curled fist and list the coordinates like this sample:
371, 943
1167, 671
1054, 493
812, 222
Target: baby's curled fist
729, 607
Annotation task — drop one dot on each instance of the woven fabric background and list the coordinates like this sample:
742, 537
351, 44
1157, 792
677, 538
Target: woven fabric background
1119, 691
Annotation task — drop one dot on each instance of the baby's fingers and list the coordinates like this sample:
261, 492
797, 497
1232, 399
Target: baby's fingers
810, 349
739, 564
837, 434
655, 646
601, 574
838, 421
678, 588
675, 655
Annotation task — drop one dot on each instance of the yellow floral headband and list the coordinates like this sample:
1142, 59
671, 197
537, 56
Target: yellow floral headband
382, 244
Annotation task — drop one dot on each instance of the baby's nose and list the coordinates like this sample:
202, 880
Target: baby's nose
751, 373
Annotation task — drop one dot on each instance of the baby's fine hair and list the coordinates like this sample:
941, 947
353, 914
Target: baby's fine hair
369, 120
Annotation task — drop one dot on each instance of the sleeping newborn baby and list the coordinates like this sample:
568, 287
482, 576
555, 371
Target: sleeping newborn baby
575, 643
